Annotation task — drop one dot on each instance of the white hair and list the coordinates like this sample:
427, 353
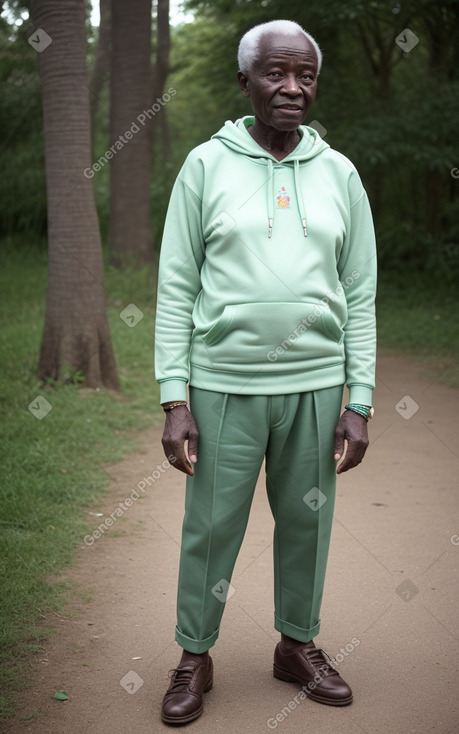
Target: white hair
250, 41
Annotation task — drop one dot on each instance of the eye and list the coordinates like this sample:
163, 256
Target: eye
274, 74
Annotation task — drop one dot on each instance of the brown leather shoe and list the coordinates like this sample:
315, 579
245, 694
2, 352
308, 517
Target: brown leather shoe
183, 700
311, 667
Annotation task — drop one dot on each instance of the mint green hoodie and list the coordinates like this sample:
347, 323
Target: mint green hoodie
267, 272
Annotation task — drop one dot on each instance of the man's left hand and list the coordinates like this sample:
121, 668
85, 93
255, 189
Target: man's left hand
352, 429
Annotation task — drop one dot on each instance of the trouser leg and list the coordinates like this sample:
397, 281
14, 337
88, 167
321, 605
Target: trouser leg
233, 434
301, 481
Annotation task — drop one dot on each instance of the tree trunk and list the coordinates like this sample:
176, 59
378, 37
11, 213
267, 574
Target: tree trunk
159, 124
101, 65
76, 337
130, 232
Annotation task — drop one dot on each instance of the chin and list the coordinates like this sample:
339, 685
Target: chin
287, 127
286, 124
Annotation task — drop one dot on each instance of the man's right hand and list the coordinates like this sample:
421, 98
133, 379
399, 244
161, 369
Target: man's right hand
180, 427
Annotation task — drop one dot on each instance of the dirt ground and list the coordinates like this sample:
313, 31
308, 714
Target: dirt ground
389, 614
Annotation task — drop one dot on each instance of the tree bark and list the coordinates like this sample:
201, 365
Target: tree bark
160, 125
76, 336
130, 232
101, 67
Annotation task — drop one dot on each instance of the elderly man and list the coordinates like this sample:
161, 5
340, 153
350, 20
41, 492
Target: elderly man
266, 309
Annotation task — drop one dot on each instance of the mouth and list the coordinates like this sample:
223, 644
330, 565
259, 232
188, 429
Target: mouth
289, 107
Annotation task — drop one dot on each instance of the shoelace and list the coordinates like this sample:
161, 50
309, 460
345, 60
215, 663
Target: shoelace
318, 657
182, 680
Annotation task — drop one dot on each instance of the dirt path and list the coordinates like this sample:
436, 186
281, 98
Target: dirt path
390, 599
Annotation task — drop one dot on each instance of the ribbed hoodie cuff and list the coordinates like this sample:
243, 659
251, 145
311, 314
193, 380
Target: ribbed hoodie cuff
360, 394
173, 389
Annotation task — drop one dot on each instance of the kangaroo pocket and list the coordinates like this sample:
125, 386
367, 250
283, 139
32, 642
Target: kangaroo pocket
277, 336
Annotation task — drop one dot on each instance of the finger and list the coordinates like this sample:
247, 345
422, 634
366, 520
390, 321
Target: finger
355, 451
184, 466
339, 444
343, 455
177, 450
193, 446
344, 466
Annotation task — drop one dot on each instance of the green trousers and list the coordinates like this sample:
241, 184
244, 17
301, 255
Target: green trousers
295, 434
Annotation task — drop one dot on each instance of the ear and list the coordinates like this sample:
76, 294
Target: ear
243, 83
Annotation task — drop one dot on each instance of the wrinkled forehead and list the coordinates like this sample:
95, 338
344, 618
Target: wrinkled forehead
274, 46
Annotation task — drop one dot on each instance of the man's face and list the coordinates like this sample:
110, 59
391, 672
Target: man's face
282, 83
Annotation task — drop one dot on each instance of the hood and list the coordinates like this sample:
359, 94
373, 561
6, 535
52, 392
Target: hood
236, 136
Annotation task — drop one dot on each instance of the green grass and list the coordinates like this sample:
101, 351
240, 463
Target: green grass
53, 469
418, 316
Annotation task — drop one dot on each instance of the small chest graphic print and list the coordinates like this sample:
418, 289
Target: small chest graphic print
283, 199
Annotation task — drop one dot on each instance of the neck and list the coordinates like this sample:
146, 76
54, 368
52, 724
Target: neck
277, 142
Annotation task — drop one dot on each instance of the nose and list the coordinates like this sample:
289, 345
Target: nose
290, 85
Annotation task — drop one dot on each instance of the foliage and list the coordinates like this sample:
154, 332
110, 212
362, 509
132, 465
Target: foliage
392, 112
23, 186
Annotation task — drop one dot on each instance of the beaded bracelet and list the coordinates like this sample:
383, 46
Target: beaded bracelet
364, 410
173, 405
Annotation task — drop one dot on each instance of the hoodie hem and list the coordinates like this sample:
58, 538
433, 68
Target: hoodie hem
262, 383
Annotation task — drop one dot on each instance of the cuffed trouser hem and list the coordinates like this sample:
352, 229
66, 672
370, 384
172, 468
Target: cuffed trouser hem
196, 646
296, 633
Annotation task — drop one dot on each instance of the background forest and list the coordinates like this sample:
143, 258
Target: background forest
394, 113
95, 123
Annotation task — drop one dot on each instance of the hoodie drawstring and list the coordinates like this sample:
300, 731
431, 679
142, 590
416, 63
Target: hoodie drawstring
270, 196
299, 197
298, 193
